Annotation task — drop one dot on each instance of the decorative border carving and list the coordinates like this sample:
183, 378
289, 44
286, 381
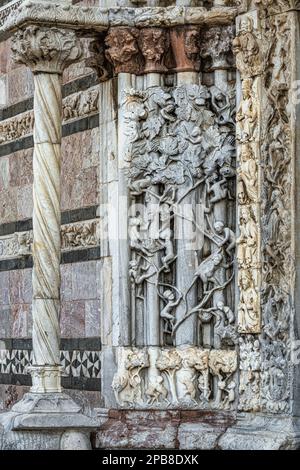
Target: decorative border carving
74, 236
247, 50
167, 378
75, 106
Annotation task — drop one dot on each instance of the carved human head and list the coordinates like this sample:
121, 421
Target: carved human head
219, 226
245, 280
169, 295
246, 87
246, 152
218, 257
245, 213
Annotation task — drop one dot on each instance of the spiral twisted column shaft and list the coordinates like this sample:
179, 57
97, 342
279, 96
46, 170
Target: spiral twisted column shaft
47, 51
46, 219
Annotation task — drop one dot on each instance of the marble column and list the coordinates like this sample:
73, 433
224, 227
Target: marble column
186, 55
47, 51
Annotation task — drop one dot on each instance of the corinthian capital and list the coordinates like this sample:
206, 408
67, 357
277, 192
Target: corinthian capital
44, 49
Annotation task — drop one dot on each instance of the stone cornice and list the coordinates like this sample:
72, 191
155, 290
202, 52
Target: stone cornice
96, 19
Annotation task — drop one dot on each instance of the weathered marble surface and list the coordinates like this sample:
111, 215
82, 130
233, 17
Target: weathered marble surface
175, 332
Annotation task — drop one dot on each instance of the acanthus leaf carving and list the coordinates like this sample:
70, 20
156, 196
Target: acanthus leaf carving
45, 49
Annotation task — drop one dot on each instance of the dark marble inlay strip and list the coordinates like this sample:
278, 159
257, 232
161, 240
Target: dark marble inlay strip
80, 84
66, 344
84, 124
67, 217
76, 383
76, 256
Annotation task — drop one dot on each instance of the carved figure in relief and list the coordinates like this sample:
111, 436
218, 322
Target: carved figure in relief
246, 48
222, 106
247, 113
247, 176
127, 382
247, 242
167, 312
136, 224
249, 303
190, 389
225, 237
218, 189
139, 272
122, 49
199, 360
157, 391
169, 362
223, 364
208, 268
166, 235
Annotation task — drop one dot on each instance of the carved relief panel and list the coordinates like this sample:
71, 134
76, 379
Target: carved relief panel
178, 149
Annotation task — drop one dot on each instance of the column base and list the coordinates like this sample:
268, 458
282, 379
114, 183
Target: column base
47, 421
46, 379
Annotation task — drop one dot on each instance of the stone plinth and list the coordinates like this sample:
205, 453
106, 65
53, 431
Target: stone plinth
47, 421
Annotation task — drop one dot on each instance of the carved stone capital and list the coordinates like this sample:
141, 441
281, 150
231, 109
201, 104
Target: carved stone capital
123, 50
154, 44
48, 50
216, 46
185, 46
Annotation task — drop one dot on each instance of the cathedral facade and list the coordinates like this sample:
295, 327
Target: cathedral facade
149, 236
